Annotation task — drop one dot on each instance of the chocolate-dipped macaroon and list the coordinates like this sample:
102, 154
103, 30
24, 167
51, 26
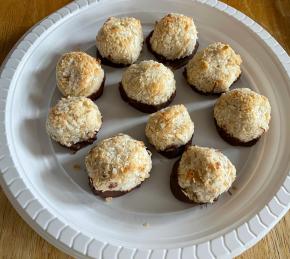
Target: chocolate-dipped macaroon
119, 41
148, 86
242, 116
117, 165
213, 70
74, 122
173, 40
170, 130
201, 175
79, 74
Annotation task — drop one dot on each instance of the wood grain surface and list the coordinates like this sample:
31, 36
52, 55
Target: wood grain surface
17, 240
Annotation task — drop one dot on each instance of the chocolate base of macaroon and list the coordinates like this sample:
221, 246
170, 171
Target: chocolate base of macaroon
99, 92
143, 107
107, 62
174, 150
177, 190
232, 140
194, 88
109, 194
175, 63
79, 145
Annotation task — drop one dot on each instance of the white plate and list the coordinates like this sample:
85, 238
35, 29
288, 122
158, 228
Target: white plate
54, 198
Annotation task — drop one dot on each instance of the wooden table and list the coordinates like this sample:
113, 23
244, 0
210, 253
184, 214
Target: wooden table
17, 240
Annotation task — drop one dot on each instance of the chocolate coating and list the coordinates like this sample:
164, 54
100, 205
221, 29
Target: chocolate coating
108, 194
108, 62
175, 151
79, 145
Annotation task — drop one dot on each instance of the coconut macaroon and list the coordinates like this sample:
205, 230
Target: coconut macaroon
117, 165
214, 69
173, 40
148, 86
242, 116
201, 175
74, 122
79, 74
170, 130
119, 41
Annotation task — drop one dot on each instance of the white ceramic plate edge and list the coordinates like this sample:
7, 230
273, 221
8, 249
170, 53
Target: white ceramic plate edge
77, 244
